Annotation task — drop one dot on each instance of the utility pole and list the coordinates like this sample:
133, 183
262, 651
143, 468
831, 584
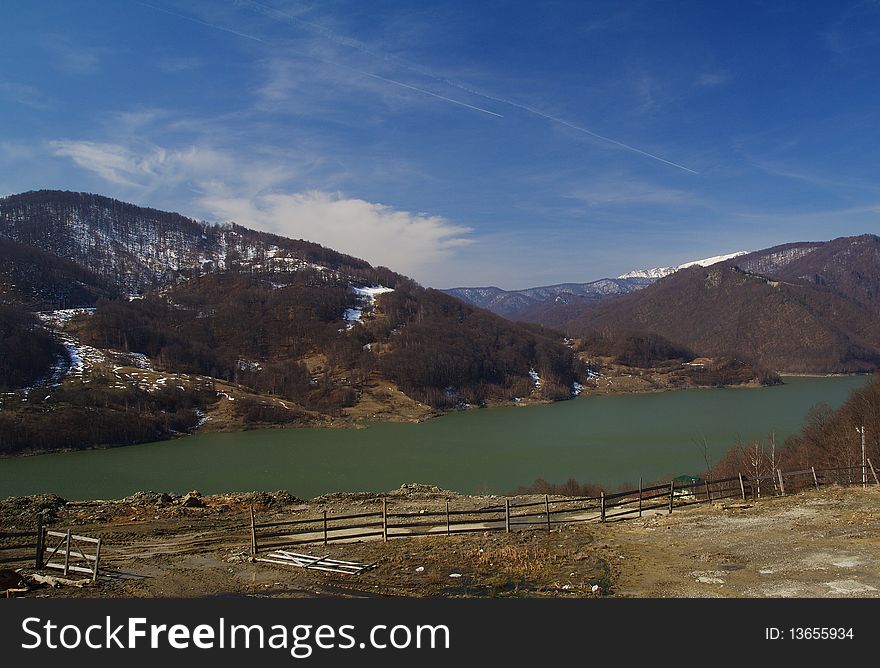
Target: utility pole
861, 430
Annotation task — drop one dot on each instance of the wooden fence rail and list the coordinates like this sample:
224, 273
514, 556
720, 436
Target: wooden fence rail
18, 548
542, 514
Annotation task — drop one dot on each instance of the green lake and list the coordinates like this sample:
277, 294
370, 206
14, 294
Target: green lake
606, 440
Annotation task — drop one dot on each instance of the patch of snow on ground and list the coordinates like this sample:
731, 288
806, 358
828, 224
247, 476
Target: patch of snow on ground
140, 360
203, 418
370, 292
57, 319
352, 316
366, 300
576, 388
535, 377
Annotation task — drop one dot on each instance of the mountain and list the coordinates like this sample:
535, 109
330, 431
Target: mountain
553, 302
660, 272
802, 308
512, 304
136, 249
151, 324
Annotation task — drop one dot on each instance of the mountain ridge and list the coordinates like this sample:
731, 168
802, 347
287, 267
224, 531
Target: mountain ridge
528, 304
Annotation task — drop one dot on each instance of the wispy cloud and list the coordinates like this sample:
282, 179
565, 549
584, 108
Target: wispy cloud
13, 151
783, 170
152, 168
856, 28
72, 57
175, 64
24, 94
624, 192
712, 79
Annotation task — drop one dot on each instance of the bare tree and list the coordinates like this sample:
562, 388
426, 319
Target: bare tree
755, 456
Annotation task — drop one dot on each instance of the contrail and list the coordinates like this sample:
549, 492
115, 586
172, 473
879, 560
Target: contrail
561, 121
354, 44
426, 92
204, 23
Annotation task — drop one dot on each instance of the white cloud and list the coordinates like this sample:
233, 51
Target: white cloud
415, 244
256, 194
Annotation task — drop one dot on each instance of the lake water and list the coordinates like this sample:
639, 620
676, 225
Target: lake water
606, 440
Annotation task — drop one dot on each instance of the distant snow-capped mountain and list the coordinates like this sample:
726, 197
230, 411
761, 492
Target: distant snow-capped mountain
521, 304
660, 272
513, 303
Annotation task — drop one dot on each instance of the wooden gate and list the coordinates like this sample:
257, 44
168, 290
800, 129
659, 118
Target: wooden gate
70, 547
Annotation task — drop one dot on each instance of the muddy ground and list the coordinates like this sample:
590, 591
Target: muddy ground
818, 544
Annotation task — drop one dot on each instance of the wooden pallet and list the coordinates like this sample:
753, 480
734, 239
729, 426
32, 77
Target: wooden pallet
314, 563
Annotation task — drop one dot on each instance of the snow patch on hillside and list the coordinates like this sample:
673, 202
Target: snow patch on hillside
536, 379
366, 297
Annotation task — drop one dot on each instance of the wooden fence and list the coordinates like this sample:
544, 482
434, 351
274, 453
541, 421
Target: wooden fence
508, 515
19, 549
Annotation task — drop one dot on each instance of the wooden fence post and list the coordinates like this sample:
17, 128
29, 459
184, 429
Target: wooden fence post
547, 511
325, 527
384, 520
507, 515
67, 555
447, 518
38, 561
602, 506
742, 486
640, 496
253, 534
781, 483
708, 492
815, 477
97, 560
671, 494
874, 473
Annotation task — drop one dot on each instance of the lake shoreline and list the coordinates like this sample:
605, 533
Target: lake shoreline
607, 441
365, 423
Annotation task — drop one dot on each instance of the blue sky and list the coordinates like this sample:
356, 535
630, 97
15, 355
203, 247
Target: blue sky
462, 143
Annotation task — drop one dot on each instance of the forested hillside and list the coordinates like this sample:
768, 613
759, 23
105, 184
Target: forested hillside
172, 323
801, 308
